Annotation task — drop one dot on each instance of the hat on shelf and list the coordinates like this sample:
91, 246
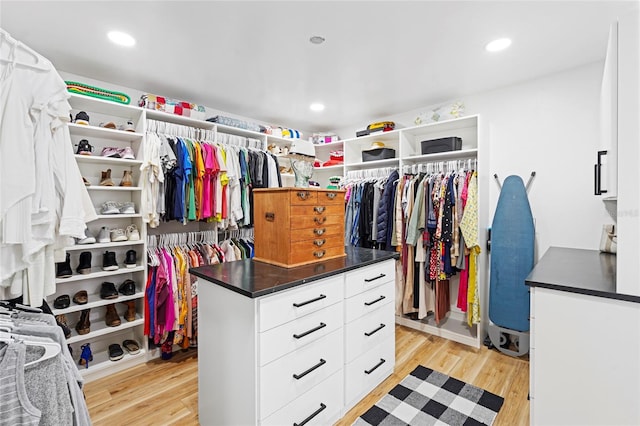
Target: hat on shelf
375, 145
335, 158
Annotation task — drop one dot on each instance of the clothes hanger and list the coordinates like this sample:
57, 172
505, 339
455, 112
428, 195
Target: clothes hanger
36, 61
51, 349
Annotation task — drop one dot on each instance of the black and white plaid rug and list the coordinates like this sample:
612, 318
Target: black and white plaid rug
426, 397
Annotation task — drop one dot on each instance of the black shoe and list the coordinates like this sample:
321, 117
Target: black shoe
115, 352
62, 302
130, 260
84, 147
108, 291
63, 269
85, 263
127, 288
82, 118
61, 320
109, 261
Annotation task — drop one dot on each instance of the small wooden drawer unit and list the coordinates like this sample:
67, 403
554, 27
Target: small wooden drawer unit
298, 226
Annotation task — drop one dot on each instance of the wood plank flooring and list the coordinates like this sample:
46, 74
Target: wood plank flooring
166, 392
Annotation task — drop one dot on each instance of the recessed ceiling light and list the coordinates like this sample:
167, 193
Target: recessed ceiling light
499, 44
317, 40
120, 38
316, 106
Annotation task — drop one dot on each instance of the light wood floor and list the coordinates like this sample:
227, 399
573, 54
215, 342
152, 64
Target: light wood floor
166, 392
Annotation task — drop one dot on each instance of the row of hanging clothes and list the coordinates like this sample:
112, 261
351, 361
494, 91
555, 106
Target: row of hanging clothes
39, 382
430, 215
171, 292
192, 174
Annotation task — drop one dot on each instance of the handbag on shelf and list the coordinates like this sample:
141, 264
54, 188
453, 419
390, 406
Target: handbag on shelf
609, 239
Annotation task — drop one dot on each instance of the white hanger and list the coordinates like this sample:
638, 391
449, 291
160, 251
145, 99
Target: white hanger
35, 61
51, 349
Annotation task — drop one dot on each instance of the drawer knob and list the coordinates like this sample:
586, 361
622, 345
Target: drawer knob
371, 333
269, 216
304, 373
303, 195
319, 243
374, 301
375, 367
319, 220
306, 333
315, 413
331, 195
319, 253
368, 280
322, 296
319, 231
319, 209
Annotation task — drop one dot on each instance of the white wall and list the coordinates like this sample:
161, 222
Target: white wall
550, 126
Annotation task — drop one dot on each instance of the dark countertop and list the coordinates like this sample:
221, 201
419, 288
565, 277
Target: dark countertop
578, 271
254, 279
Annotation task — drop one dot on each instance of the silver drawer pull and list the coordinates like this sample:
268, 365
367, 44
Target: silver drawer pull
319, 231
306, 333
303, 195
315, 413
322, 296
304, 373
371, 333
331, 195
368, 280
319, 253
319, 243
319, 220
375, 367
374, 301
319, 209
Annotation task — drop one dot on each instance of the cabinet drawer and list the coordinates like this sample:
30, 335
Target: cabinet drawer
358, 382
316, 221
320, 231
311, 364
368, 301
303, 196
282, 339
288, 305
317, 243
330, 197
368, 331
317, 210
318, 253
365, 278
328, 394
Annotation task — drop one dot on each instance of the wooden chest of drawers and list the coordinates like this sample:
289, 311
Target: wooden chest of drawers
298, 226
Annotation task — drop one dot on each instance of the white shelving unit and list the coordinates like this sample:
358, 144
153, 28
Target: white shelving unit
91, 166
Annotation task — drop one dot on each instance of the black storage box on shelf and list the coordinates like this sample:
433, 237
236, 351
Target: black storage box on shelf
433, 146
378, 154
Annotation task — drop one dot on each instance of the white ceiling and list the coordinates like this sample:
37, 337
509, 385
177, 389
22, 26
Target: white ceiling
255, 59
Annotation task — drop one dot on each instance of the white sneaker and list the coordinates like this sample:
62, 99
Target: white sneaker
103, 236
118, 235
88, 238
110, 207
132, 233
127, 208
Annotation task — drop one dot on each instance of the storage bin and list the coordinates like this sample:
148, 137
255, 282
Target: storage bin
431, 146
378, 154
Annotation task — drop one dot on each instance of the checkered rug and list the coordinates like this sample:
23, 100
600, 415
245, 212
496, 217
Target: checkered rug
426, 397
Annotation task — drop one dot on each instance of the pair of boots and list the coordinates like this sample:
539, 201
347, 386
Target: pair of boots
127, 179
113, 320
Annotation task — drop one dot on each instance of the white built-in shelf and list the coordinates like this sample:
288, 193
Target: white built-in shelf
96, 159
100, 328
329, 145
95, 302
101, 361
389, 137
97, 272
391, 162
454, 327
113, 188
336, 167
104, 133
442, 126
86, 247
444, 156
118, 216
90, 104
178, 119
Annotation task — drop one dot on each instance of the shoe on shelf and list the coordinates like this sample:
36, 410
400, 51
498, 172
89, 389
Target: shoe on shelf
104, 236
108, 125
110, 207
111, 318
130, 313
63, 269
82, 118
88, 238
81, 297
115, 352
126, 179
84, 147
108, 291
84, 324
109, 151
130, 260
127, 207
85, 263
127, 288
132, 233
105, 179
109, 261
132, 347
62, 302
86, 355
127, 153
129, 127
61, 320
118, 235
85, 181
